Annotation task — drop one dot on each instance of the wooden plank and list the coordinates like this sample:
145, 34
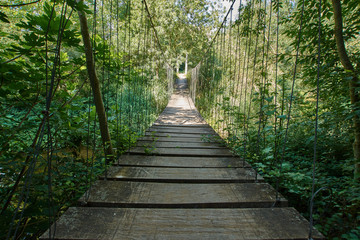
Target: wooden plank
241, 224
220, 152
160, 144
188, 135
180, 115
191, 126
182, 130
184, 162
174, 195
176, 120
181, 126
181, 139
183, 175
178, 110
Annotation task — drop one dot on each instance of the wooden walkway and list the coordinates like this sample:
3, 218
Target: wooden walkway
180, 182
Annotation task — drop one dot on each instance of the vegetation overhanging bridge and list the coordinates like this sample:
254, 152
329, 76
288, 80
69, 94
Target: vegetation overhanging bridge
88, 93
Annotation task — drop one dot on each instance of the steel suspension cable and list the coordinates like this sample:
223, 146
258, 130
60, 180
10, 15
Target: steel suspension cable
291, 100
266, 65
106, 72
109, 60
247, 113
253, 77
118, 77
276, 140
218, 107
138, 78
245, 132
123, 82
103, 58
50, 94
129, 75
313, 194
262, 86
228, 98
236, 73
245, 63
24, 194
221, 93
219, 29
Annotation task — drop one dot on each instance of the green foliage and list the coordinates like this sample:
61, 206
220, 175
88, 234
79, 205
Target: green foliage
54, 139
183, 28
240, 95
238, 92
4, 18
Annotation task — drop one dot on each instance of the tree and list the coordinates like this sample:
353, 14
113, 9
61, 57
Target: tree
353, 82
185, 27
95, 85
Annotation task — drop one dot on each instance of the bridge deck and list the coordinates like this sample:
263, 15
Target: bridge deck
180, 182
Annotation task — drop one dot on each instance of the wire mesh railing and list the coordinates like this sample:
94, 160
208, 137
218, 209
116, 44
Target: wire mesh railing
244, 89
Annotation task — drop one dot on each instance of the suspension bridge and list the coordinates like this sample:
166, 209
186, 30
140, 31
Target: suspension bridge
181, 179
181, 182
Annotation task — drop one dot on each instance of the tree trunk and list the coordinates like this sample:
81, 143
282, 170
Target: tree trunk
95, 85
353, 83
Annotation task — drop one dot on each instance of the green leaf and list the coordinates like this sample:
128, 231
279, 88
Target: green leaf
80, 6
269, 99
4, 18
267, 150
267, 128
269, 113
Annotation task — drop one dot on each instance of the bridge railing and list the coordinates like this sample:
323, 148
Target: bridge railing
244, 88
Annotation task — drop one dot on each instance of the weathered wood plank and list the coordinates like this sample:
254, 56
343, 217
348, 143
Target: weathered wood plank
179, 108
241, 224
183, 175
182, 130
179, 112
181, 139
182, 126
160, 144
187, 135
174, 195
184, 162
181, 151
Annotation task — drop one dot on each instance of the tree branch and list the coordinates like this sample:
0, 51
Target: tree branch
19, 5
340, 43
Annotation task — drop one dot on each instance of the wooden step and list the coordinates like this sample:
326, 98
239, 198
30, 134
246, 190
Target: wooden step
169, 138
191, 130
161, 144
129, 223
182, 126
181, 195
178, 161
185, 116
183, 175
179, 111
178, 120
181, 151
187, 135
